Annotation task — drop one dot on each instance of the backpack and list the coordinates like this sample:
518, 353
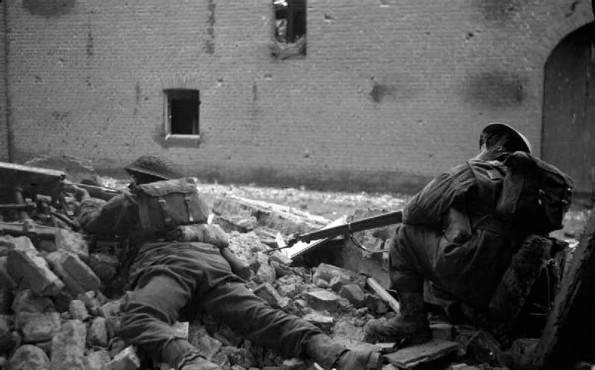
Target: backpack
535, 194
163, 205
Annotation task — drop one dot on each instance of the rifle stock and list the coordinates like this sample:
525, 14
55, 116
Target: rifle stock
351, 227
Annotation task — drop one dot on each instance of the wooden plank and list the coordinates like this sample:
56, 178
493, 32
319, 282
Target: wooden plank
300, 248
393, 303
410, 357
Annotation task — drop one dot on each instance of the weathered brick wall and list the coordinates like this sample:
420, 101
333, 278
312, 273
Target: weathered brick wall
4, 138
389, 94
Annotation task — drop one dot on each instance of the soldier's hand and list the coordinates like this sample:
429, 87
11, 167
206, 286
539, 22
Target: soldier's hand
80, 194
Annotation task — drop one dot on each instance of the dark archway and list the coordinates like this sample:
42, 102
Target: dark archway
569, 109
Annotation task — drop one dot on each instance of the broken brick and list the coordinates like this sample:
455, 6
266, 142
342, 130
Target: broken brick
96, 360
5, 279
78, 310
77, 276
68, 346
125, 360
38, 327
354, 294
72, 242
28, 357
322, 300
104, 265
25, 264
27, 301
98, 334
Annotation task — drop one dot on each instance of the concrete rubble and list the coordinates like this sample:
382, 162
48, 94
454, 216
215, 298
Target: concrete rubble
59, 308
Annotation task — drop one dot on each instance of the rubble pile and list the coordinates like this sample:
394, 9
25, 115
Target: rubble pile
62, 295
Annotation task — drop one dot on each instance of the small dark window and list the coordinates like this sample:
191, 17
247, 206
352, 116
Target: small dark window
290, 27
182, 112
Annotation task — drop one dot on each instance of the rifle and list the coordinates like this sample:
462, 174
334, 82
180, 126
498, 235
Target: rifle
20, 182
348, 229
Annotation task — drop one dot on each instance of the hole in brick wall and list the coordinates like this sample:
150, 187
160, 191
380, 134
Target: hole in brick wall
290, 28
182, 112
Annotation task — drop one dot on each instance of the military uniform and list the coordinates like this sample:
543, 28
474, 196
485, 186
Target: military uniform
470, 264
176, 280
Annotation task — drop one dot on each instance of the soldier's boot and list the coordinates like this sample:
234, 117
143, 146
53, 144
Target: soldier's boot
331, 355
411, 325
181, 355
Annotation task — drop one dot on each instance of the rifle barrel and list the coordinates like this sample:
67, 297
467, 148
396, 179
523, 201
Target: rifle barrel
359, 225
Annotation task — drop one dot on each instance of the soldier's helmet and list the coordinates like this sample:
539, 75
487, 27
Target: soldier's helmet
153, 165
516, 141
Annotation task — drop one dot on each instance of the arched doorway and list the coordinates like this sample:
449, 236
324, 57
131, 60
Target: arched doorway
569, 109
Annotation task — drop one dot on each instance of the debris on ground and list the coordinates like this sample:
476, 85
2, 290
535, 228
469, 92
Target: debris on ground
60, 297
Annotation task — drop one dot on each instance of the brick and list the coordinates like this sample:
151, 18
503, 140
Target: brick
324, 322
38, 327
28, 301
125, 360
28, 357
322, 300
25, 264
354, 294
76, 275
199, 338
98, 333
96, 360
68, 346
78, 310
72, 242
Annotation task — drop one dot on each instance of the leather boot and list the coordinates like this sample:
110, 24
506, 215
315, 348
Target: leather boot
329, 354
412, 324
181, 355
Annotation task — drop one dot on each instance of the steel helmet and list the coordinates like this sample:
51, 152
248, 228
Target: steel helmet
153, 165
517, 141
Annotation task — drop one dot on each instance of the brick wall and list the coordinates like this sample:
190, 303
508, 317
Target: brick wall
389, 94
4, 136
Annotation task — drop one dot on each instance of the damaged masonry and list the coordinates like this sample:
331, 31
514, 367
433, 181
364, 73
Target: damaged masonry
61, 297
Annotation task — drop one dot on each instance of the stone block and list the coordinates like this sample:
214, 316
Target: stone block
289, 290
68, 346
72, 242
354, 294
28, 357
28, 301
328, 272
38, 327
265, 274
98, 333
322, 300
127, 359
25, 265
77, 276
267, 292
96, 360
181, 329
78, 310
91, 302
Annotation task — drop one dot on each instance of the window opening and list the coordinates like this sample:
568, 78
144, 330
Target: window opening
182, 112
290, 28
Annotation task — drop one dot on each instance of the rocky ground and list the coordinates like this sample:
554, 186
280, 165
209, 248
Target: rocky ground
58, 313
